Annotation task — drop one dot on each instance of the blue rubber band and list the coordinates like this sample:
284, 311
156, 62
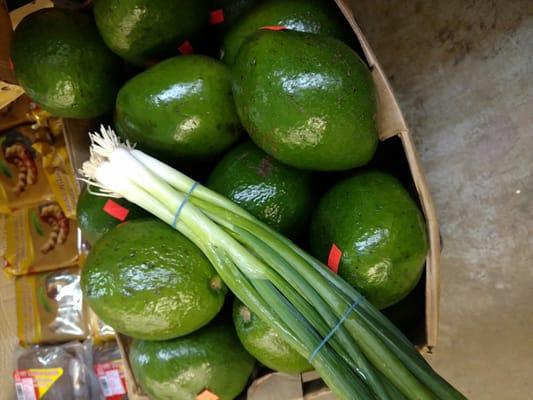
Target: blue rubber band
335, 328
184, 201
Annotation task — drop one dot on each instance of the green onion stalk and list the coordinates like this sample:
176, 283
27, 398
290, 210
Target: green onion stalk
358, 352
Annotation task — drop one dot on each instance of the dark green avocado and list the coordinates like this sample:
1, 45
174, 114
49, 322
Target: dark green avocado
63, 64
180, 109
262, 342
381, 232
150, 282
145, 31
307, 100
94, 222
211, 358
313, 16
278, 195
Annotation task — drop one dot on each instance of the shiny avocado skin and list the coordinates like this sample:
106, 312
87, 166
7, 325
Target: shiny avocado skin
180, 369
380, 231
150, 282
63, 64
143, 31
94, 222
307, 100
313, 16
182, 108
278, 195
262, 342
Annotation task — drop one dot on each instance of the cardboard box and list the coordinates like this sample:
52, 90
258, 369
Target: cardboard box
394, 135
392, 130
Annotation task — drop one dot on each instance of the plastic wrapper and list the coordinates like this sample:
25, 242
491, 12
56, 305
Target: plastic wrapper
50, 308
109, 369
37, 239
62, 372
100, 331
34, 164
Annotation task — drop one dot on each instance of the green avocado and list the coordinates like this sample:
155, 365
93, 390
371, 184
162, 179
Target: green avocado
63, 64
182, 108
145, 31
278, 195
380, 231
211, 358
313, 16
307, 100
94, 222
262, 342
150, 282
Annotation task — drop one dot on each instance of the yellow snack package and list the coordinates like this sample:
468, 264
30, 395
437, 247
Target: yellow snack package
37, 239
50, 308
34, 164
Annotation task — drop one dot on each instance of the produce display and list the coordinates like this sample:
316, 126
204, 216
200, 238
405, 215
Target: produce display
238, 182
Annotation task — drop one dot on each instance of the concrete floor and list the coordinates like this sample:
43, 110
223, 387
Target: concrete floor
463, 73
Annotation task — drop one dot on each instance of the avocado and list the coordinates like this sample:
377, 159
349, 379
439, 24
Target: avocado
312, 16
182, 108
278, 195
380, 231
211, 358
264, 343
94, 222
150, 282
307, 100
145, 31
63, 64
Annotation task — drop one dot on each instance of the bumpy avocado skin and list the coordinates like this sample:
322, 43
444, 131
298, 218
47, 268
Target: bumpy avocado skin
150, 282
307, 100
312, 16
181, 109
63, 64
262, 342
144, 31
278, 195
381, 232
211, 358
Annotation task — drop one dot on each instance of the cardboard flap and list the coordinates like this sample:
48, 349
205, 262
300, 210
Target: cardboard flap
391, 121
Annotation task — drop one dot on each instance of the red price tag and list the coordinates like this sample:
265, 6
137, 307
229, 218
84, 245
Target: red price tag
207, 395
111, 379
186, 48
116, 210
25, 385
334, 258
274, 28
216, 17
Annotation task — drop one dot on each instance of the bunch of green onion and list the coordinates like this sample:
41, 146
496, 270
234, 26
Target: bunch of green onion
364, 356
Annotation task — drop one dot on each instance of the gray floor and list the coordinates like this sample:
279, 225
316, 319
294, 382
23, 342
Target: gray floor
463, 73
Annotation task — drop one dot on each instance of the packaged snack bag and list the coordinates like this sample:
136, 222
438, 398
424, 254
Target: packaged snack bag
50, 308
